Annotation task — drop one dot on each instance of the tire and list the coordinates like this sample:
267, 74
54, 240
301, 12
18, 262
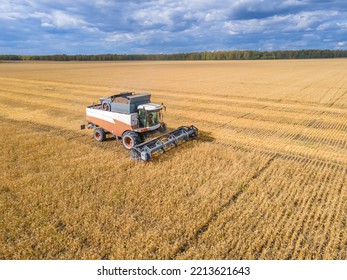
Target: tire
99, 134
130, 139
106, 106
162, 128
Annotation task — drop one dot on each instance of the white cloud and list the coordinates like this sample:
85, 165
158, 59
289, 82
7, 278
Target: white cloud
304, 21
60, 19
48, 17
144, 37
14, 10
215, 16
152, 17
238, 27
342, 25
326, 26
120, 37
293, 3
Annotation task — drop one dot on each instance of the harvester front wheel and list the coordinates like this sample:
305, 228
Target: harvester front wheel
99, 134
130, 139
162, 128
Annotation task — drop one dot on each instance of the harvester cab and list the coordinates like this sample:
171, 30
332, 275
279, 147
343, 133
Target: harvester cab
133, 119
150, 115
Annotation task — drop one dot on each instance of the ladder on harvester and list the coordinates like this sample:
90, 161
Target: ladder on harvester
144, 151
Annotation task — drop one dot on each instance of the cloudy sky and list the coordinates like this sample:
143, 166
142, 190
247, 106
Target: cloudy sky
167, 26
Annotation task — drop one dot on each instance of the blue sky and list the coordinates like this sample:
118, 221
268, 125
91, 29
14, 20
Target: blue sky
166, 26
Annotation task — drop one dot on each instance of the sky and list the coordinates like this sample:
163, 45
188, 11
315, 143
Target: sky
42, 27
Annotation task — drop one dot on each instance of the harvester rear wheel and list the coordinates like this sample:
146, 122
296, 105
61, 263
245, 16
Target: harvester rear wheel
106, 107
99, 134
130, 139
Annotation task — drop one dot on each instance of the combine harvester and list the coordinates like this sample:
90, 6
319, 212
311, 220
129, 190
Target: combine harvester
133, 119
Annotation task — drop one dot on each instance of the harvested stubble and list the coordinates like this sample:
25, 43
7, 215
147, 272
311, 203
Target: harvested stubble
266, 180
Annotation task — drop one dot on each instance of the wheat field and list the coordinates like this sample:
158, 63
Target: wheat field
267, 178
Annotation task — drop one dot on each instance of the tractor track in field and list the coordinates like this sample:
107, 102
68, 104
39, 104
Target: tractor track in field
338, 99
194, 239
314, 160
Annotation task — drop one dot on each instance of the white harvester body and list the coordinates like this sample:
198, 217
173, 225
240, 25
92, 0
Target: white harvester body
116, 123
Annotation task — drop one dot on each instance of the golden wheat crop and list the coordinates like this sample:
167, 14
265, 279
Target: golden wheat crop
267, 178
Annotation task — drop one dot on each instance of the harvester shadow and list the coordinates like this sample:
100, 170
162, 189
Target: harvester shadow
205, 136
110, 138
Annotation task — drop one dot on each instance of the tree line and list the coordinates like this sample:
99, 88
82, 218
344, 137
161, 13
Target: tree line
212, 55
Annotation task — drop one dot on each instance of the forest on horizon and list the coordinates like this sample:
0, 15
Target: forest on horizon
208, 55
